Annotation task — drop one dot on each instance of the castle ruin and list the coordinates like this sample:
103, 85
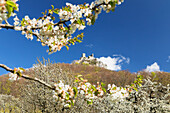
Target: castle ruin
90, 60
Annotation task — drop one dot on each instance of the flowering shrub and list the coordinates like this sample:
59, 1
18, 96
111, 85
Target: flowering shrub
37, 97
117, 93
9, 103
67, 94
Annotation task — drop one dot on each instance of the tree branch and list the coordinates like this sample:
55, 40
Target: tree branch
6, 26
28, 77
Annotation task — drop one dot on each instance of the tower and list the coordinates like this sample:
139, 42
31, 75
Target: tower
83, 54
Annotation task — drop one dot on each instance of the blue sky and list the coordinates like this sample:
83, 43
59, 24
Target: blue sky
138, 30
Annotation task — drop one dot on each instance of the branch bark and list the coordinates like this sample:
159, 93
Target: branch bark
6, 26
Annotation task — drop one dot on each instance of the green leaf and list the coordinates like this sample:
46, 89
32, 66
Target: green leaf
50, 49
67, 96
10, 3
49, 27
132, 85
116, 1
19, 73
122, 93
79, 75
89, 91
22, 22
114, 88
56, 11
45, 12
67, 47
53, 43
93, 20
72, 102
96, 93
75, 91
53, 18
79, 41
153, 74
66, 28
111, 3
10, 10
15, 72
76, 81
67, 9
50, 11
30, 31
140, 85
42, 13
52, 7
135, 89
104, 90
90, 102
135, 81
22, 69
81, 79
102, 84
83, 22
93, 87
79, 21
73, 43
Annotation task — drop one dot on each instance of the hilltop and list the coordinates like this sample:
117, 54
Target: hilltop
93, 74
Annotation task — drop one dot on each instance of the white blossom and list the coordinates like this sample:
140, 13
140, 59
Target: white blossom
27, 17
17, 28
13, 77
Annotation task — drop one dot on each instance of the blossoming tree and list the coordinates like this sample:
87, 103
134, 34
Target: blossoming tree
57, 33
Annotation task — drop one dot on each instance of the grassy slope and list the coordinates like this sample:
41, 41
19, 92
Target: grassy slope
92, 73
121, 78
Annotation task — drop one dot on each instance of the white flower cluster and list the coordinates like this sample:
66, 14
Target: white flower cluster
90, 91
49, 34
3, 10
44, 29
57, 35
14, 76
75, 13
66, 94
109, 5
117, 92
63, 93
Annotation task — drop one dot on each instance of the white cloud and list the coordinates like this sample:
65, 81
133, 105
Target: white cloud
115, 62
168, 59
90, 45
122, 58
152, 68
